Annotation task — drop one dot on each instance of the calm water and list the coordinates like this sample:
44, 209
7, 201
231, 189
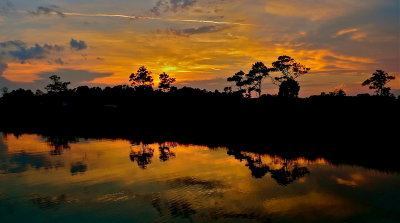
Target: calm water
56, 180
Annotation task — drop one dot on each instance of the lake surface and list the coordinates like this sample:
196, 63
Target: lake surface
54, 179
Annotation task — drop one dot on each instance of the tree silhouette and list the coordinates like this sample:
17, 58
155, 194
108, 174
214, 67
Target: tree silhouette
239, 80
165, 82
378, 81
338, 93
57, 85
252, 81
291, 70
256, 76
142, 77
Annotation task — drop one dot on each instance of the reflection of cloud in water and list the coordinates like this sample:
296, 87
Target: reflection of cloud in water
20, 162
172, 208
199, 185
200, 209
316, 204
78, 168
115, 197
200, 200
353, 180
191, 181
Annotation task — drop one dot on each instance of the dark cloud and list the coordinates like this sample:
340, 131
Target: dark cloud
76, 77
5, 6
368, 21
20, 51
35, 52
78, 44
59, 61
171, 5
16, 43
193, 31
396, 92
54, 47
43, 10
3, 67
211, 85
3, 82
6, 83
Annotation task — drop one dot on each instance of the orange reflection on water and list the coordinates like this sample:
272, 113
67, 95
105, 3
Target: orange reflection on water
179, 181
276, 162
353, 180
25, 143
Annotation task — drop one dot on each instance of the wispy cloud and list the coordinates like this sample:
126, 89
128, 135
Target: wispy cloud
5, 6
163, 6
193, 31
59, 61
134, 18
43, 10
3, 66
345, 31
54, 10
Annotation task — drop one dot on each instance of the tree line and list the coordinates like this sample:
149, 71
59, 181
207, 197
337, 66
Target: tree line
245, 85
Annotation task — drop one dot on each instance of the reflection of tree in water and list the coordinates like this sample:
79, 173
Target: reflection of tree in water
165, 151
283, 171
288, 173
60, 143
142, 155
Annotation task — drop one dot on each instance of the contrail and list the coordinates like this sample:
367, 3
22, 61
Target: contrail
153, 18
147, 18
209, 21
109, 15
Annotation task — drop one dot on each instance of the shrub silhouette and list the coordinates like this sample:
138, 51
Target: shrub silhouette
289, 88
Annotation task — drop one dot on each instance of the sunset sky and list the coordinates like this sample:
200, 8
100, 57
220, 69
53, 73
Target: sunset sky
200, 42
